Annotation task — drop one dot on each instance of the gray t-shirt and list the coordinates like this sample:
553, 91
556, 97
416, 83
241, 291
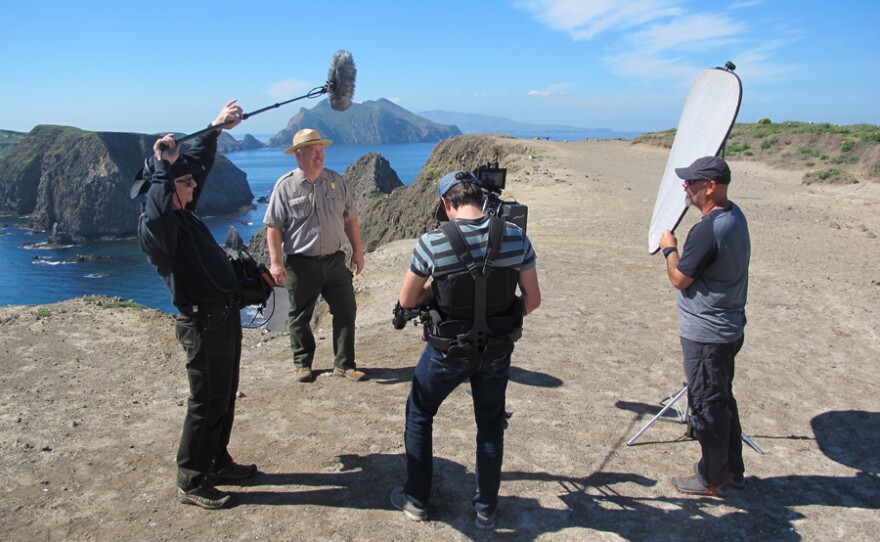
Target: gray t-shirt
311, 216
716, 255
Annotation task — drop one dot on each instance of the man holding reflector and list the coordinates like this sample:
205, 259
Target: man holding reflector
712, 275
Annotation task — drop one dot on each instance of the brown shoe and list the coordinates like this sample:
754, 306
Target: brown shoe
204, 496
692, 485
351, 374
303, 374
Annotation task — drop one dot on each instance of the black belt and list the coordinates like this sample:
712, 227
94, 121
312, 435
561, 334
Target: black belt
322, 258
220, 302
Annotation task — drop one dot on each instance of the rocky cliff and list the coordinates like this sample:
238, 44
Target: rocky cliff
227, 143
379, 121
77, 182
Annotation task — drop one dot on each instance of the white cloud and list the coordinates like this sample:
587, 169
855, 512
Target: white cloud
585, 19
553, 90
695, 32
666, 40
746, 4
289, 88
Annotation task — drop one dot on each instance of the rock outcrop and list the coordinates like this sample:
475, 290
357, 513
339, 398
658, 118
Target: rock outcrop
77, 182
371, 176
379, 121
226, 143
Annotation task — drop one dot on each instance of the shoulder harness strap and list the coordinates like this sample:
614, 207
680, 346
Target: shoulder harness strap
479, 333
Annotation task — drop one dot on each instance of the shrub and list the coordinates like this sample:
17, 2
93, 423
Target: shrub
767, 143
764, 120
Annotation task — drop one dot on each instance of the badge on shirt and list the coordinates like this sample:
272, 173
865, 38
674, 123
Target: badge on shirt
332, 186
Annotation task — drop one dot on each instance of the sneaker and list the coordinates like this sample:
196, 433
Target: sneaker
736, 481
485, 521
303, 374
402, 502
351, 374
205, 496
692, 485
233, 472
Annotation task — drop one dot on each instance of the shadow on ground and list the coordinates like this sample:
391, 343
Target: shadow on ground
604, 501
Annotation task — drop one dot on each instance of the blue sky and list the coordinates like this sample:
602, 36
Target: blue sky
626, 65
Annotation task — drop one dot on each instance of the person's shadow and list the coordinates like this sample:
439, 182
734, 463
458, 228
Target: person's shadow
601, 501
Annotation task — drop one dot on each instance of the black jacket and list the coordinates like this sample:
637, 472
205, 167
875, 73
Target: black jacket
193, 266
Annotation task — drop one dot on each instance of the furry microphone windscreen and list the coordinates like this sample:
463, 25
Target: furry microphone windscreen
340, 79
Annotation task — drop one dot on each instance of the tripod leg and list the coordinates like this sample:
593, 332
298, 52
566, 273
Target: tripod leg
669, 405
748, 440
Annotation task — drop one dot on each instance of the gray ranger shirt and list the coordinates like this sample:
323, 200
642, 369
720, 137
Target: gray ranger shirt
311, 216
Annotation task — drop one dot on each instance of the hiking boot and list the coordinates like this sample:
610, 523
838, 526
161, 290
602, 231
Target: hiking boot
303, 374
232, 473
736, 481
402, 502
692, 485
351, 374
485, 521
204, 496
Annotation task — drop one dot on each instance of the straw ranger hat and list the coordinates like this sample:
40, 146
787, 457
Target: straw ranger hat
306, 137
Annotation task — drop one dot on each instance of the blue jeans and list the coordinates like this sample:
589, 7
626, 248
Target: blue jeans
434, 379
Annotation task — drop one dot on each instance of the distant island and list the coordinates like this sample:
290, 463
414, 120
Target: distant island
488, 124
371, 122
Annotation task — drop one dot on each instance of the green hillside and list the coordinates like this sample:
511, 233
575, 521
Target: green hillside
829, 153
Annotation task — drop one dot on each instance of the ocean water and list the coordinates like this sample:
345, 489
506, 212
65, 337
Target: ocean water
35, 275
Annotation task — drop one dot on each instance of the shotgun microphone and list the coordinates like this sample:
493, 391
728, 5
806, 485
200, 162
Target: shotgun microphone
340, 80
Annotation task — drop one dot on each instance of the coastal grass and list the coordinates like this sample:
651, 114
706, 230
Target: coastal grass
8, 141
112, 302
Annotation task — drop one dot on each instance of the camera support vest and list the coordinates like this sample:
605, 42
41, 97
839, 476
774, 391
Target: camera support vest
489, 318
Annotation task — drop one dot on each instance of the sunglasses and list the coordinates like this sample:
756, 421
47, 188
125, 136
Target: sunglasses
188, 182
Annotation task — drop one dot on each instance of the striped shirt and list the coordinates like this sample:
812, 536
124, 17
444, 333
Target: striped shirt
433, 255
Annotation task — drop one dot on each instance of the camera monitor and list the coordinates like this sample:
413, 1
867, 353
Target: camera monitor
491, 176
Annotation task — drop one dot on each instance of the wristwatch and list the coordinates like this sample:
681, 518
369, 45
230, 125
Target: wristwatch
669, 250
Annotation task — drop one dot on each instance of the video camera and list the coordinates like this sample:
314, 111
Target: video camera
493, 179
402, 316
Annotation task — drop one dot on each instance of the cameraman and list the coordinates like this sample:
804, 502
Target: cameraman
449, 359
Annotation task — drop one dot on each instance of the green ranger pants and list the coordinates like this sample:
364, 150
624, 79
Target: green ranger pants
329, 277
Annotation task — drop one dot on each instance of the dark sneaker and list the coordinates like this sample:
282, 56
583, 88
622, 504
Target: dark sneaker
351, 374
303, 374
693, 486
736, 481
485, 521
233, 473
205, 496
402, 502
